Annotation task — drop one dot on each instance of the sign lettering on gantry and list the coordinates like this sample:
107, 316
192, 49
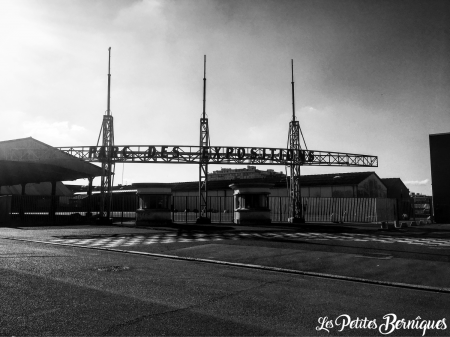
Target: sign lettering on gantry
218, 155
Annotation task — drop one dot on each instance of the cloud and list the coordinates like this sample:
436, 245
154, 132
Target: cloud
417, 182
55, 133
309, 109
45, 129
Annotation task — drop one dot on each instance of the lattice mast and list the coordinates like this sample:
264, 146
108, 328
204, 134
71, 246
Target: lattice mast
107, 130
204, 149
296, 207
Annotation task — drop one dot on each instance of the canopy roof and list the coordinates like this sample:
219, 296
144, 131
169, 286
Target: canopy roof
28, 160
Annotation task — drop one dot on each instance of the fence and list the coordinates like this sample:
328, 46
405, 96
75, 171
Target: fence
62, 209
185, 209
337, 209
37, 209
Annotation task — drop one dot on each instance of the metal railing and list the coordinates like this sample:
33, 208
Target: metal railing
63, 210
184, 209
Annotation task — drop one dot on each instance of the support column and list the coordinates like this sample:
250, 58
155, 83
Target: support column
53, 201
89, 198
22, 203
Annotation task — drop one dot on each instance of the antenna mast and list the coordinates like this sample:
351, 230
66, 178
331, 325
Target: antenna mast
108, 104
106, 152
204, 154
296, 205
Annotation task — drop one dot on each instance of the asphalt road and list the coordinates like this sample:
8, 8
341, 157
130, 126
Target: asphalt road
62, 290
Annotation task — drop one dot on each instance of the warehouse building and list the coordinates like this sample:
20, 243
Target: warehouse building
337, 185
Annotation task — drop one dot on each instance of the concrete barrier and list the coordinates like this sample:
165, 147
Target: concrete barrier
390, 225
405, 224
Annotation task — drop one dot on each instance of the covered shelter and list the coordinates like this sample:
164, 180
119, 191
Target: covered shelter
27, 160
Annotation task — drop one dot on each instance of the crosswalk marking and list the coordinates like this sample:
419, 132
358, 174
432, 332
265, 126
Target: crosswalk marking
168, 238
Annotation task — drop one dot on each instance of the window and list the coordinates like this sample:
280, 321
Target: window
154, 201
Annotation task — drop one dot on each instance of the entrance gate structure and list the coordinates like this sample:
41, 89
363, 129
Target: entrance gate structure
203, 155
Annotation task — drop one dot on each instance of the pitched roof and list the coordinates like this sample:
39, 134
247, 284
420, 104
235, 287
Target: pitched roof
353, 178
28, 160
391, 182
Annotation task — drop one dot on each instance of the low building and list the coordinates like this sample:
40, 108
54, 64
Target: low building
396, 189
343, 185
336, 185
251, 172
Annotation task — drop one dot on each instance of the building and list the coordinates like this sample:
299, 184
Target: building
357, 196
440, 176
28, 166
422, 205
396, 189
342, 185
27, 160
336, 185
251, 172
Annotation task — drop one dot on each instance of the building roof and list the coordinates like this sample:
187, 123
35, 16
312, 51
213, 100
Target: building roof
28, 160
113, 192
391, 182
395, 185
353, 178
308, 180
440, 134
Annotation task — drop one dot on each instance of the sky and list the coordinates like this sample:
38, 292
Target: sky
371, 77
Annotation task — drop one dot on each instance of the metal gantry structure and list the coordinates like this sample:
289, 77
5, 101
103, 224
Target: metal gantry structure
107, 148
203, 167
293, 156
295, 205
224, 155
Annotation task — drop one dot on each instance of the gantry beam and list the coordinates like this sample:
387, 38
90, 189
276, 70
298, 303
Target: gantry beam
179, 154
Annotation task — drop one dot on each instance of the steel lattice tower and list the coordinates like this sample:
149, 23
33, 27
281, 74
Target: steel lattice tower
204, 153
296, 206
107, 130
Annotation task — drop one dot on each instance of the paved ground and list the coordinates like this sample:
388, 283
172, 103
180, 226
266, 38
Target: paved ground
73, 288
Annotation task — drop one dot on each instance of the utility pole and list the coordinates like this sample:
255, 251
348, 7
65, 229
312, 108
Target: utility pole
204, 157
296, 206
106, 153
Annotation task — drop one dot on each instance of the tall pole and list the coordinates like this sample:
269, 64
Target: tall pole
204, 87
108, 100
293, 90
204, 157
296, 208
106, 153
